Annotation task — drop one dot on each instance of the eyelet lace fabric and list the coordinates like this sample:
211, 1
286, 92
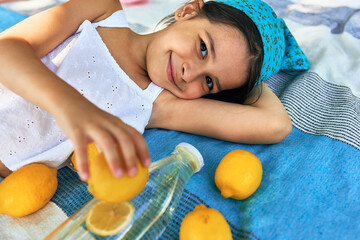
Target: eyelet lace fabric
30, 134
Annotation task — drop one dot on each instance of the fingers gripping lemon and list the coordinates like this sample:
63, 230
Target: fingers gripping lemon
104, 186
27, 189
238, 174
92, 153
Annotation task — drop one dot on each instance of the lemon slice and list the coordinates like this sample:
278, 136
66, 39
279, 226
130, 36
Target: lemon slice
107, 219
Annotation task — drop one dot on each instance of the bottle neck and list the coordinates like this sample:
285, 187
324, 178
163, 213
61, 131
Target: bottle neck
190, 157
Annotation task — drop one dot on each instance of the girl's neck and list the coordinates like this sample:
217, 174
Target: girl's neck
136, 47
129, 50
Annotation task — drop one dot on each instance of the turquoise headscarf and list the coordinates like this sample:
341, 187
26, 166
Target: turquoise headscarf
281, 51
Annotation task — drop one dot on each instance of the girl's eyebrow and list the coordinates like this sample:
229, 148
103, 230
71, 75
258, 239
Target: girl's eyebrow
213, 56
218, 84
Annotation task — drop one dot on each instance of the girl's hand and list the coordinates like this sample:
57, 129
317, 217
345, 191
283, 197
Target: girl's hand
83, 123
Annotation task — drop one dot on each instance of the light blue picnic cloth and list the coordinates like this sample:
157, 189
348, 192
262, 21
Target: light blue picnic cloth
9, 18
309, 188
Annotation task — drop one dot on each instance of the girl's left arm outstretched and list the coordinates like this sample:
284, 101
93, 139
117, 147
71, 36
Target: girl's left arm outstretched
264, 122
22, 72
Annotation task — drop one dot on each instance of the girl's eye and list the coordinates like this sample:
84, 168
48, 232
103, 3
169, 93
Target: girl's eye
209, 82
203, 48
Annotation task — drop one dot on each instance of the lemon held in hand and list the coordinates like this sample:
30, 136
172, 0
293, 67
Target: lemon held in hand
104, 186
204, 224
92, 153
107, 219
238, 174
27, 189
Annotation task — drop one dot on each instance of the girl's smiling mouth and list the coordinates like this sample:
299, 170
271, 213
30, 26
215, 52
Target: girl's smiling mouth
170, 71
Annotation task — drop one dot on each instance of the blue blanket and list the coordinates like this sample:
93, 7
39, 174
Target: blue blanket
311, 180
9, 18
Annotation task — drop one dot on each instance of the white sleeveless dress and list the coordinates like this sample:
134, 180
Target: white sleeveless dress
30, 134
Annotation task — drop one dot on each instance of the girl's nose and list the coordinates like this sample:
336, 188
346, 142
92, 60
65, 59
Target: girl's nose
190, 72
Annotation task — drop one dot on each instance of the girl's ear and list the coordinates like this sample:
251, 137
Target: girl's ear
189, 10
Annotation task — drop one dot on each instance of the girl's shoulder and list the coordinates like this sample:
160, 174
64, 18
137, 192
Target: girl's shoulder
46, 30
108, 6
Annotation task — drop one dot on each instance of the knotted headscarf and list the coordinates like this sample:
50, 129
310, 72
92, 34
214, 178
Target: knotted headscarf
281, 51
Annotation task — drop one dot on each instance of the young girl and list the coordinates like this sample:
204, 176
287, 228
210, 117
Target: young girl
76, 74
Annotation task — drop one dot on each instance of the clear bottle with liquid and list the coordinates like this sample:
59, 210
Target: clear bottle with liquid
154, 206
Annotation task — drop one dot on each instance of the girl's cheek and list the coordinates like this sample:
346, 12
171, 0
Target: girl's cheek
194, 93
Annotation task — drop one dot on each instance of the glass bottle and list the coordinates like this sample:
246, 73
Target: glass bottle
154, 206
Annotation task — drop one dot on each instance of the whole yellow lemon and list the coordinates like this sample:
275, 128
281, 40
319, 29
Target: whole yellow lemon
104, 186
204, 224
238, 174
92, 153
27, 189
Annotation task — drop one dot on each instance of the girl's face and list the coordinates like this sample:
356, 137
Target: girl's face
193, 57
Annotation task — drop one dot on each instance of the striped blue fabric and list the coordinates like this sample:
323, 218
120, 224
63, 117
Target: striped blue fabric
318, 107
71, 193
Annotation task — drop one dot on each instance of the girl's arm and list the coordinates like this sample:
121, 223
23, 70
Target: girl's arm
22, 72
263, 122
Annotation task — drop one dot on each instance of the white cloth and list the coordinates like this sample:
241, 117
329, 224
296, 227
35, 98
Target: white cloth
334, 57
30, 134
35, 226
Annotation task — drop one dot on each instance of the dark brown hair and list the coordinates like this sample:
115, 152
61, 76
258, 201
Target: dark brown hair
217, 12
